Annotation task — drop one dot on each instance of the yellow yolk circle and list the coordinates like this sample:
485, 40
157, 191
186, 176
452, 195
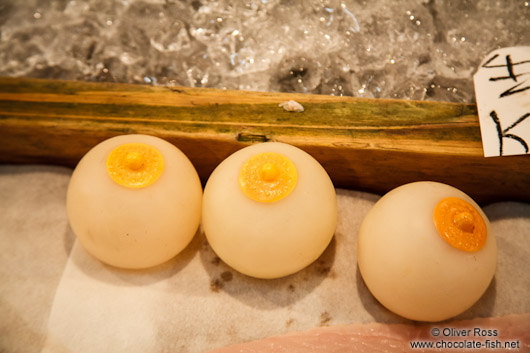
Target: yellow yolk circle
135, 165
459, 224
267, 177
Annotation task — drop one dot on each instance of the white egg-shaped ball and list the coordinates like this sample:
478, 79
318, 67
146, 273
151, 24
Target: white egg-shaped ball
134, 227
269, 240
409, 267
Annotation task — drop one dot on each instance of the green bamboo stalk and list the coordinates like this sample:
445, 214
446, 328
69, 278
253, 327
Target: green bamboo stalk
364, 144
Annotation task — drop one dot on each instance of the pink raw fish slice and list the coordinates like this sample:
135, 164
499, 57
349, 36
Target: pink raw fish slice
378, 337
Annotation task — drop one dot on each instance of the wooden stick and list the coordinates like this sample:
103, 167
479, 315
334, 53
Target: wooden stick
364, 144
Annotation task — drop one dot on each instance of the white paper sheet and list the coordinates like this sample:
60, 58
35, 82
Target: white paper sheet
194, 302
502, 89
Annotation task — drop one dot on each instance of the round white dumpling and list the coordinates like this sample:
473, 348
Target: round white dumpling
275, 224
134, 201
426, 251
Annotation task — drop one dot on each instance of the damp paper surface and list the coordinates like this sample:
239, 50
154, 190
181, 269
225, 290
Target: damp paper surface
195, 302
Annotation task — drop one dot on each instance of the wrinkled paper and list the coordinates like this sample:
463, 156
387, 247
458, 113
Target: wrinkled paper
195, 302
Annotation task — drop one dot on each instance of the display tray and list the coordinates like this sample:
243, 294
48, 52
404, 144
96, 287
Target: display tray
56, 297
371, 145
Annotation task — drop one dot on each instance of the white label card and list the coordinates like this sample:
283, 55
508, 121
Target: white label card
502, 89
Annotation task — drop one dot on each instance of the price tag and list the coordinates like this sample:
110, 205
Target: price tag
502, 89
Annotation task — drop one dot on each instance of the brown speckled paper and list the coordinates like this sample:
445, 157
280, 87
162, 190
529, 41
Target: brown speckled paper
54, 299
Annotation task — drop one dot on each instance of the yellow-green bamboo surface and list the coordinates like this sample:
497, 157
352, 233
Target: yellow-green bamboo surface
364, 144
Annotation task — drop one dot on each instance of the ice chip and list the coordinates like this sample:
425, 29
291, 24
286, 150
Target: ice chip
291, 106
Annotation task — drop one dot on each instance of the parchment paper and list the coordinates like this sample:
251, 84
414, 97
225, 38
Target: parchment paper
194, 302
35, 243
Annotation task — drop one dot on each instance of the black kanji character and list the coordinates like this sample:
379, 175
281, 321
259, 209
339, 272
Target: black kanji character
504, 133
511, 75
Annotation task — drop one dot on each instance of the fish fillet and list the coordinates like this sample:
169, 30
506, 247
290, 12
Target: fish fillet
512, 330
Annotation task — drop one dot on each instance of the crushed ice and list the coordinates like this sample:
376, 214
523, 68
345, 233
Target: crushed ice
292, 106
390, 49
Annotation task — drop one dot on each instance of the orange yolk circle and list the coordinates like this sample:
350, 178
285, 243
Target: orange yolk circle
135, 165
267, 177
460, 224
